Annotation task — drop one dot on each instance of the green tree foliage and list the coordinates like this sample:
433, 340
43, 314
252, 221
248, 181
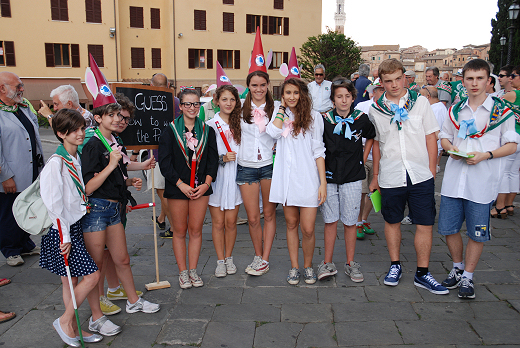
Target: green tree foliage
339, 54
500, 26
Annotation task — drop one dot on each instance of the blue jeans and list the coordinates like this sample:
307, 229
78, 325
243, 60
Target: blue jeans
454, 211
246, 175
103, 213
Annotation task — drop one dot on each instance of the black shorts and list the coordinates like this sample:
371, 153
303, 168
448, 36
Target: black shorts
420, 198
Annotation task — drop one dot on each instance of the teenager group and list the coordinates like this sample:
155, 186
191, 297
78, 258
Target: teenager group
319, 163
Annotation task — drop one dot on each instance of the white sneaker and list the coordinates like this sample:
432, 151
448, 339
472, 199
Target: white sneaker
406, 221
230, 266
256, 261
15, 260
184, 280
104, 326
196, 281
221, 270
142, 306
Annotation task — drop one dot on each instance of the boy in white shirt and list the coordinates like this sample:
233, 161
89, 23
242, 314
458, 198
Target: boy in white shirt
482, 127
405, 154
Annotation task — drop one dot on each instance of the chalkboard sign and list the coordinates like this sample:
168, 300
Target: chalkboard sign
154, 110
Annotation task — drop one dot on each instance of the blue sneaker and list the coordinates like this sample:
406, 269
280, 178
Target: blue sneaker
453, 280
393, 275
466, 288
429, 283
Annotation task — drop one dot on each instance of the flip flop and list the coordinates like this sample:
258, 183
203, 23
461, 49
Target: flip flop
4, 281
6, 316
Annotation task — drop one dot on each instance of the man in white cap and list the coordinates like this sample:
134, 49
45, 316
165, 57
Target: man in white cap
410, 79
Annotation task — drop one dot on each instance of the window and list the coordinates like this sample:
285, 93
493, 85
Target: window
5, 8
136, 17
137, 57
228, 22
278, 59
97, 52
200, 58
62, 55
7, 53
59, 10
278, 4
155, 17
252, 22
199, 17
93, 11
225, 58
228, 2
275, 25
277, 92
156, 58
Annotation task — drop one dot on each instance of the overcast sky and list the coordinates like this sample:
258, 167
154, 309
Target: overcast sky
431, 24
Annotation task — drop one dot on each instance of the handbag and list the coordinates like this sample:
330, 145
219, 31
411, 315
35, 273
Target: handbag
30, 212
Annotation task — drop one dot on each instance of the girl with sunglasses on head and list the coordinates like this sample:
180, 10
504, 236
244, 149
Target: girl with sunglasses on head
255, 167
226, 198
299, 181
184, 137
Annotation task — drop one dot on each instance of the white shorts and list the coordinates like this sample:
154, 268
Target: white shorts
158, 178
343, 201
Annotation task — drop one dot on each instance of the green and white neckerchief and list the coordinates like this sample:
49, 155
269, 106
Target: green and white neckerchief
67, 160
329, 116
445, 86
500, 112
515, 108
382, 107
13, 108
201, 131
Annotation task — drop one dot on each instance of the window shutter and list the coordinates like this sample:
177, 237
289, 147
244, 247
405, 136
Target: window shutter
209, 59
229, 2
89, 11
5, 8
97, 53
9, 53
286, 26
264, 24
237, 59
156, 58
228, 20
74, 56
278, 4
272, 28
136, 17
49, 54
219, 57
199, 20
137, 54
155, 15
249, 23
55, 10
64, 11
286, 57
97, 11
191, 58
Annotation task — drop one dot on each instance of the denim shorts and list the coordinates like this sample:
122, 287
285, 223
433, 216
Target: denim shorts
454, 211
420, 198
246, 175
103, 213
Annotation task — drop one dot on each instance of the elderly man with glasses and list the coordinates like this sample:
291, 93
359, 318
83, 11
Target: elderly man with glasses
21, 160
320, 90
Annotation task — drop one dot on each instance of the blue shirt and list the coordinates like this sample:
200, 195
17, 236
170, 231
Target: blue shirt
361, 84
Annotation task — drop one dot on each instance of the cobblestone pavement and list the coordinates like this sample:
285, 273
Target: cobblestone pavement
245, 311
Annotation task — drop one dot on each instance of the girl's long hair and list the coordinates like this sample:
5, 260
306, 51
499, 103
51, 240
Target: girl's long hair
269, 101
234, 117
302, 114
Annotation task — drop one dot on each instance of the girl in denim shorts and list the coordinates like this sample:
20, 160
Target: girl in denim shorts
106, 180
299, 181
255, 167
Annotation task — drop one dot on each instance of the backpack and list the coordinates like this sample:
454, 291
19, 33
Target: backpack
30, 212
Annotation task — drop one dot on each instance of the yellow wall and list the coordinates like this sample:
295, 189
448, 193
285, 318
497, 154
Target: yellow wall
31, 26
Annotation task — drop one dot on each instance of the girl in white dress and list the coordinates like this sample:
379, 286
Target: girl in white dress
299, 181
255, 167
226, 198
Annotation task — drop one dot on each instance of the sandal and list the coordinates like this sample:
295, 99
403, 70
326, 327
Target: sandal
510, 212
501, 213
4, 281
493, 213
6, 316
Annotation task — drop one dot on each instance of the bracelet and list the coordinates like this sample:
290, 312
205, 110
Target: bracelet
208, 185
278, 117
135, 153
182, 182
490, 155
282, 107
279, 113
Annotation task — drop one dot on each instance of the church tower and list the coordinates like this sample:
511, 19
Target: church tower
340, 16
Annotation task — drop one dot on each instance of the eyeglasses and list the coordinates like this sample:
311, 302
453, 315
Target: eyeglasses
502, 75
18, 87
318, 74
341, 81
514, 75
188, 105
125, 119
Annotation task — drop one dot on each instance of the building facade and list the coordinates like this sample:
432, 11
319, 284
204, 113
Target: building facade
132, 39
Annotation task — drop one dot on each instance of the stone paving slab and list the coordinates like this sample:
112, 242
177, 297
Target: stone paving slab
269, 295
437, 332
497, 331
373, 311
317, 334
247, 312
277, 335
309, 313
231, 334
351, 333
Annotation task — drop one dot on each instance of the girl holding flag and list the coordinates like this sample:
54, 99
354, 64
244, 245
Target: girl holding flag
188, 159
226, 198
63, 193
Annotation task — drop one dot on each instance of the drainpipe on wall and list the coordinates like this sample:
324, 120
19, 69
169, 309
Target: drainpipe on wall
115, 40
174, 50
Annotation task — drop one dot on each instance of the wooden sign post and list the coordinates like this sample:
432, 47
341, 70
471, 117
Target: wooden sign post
154, 110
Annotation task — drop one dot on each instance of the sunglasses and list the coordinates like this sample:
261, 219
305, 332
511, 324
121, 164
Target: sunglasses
502, 75
188, 105
514, 75
318, 74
